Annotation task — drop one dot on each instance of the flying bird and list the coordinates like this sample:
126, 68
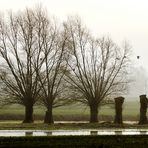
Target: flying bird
138, 57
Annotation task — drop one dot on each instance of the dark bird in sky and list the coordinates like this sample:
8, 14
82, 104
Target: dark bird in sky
138, 57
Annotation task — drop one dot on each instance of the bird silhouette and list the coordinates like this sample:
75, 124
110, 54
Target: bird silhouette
138, 57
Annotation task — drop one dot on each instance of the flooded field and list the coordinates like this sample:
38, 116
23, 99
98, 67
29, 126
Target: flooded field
17, 133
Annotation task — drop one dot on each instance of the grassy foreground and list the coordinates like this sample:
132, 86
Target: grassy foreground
17, 125
136, 141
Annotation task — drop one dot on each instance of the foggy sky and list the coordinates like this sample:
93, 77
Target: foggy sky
120, 19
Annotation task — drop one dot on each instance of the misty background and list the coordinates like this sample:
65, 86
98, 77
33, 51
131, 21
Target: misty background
122, 20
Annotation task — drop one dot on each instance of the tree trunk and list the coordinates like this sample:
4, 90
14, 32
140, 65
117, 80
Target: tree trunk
94, 114
118, 110
49, 116
143, 109
28, 114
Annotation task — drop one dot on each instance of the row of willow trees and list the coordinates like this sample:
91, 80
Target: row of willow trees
51, 63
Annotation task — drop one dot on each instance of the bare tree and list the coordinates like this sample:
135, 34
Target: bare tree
97, 67
20, 46
53, 67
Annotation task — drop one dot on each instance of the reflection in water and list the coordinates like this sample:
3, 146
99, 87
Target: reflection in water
48, 133
28, 133
93, 132
143, 132
118, 132
8, 133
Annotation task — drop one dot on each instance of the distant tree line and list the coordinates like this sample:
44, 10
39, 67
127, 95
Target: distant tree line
54, 64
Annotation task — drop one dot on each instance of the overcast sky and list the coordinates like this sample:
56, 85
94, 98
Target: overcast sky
121, 19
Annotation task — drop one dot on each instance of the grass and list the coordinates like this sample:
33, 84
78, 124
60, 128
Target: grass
39, 125
72, 112
115, 141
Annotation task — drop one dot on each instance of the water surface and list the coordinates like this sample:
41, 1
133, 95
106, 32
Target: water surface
18, 133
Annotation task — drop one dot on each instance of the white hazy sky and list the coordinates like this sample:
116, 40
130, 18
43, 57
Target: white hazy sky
121, 19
